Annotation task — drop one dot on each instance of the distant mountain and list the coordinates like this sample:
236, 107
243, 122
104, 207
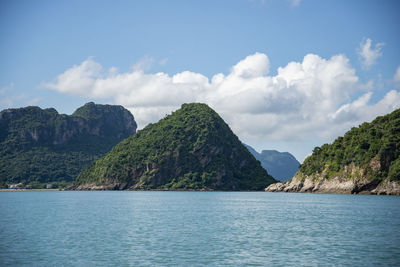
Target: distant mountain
41, 146
193, 148
280, 165
365, 160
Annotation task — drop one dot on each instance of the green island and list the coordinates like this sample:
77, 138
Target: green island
41, 148
191, 149
365, 160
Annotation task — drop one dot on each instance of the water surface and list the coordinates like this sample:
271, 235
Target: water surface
125, 228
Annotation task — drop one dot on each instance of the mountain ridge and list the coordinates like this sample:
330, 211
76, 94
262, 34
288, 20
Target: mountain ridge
280, 165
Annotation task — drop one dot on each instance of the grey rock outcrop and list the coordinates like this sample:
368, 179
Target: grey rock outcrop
339, 184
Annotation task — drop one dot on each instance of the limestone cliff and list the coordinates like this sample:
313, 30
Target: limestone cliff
41, 146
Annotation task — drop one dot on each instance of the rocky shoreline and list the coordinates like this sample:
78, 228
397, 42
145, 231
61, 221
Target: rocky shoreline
123, 187
336, 185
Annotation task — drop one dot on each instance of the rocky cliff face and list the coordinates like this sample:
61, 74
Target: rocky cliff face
352, 181
192, 149
41, 145
34, 125
366, 160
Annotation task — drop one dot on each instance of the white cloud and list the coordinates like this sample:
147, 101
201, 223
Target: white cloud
304, 101
6, 88
295, 3
354, 113
79, 79
163, 61
9, 98
6, 102
143, 64
396, 76
367, 54
252, 66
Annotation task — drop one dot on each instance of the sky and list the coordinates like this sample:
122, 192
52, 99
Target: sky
287, 75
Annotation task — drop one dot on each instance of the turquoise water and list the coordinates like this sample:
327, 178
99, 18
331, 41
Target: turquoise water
198, 228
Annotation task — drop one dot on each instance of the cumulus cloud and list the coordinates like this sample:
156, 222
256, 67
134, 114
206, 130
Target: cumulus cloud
9, 98
305, 100
367, 54
359, 109
79, 79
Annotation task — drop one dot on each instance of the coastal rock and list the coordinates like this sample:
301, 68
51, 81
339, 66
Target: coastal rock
93, 186
336, 185
387, 188
277, 187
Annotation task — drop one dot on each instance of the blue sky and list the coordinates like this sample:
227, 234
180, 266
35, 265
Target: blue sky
152, 56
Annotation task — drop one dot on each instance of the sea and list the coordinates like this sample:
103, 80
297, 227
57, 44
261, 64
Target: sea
154, 228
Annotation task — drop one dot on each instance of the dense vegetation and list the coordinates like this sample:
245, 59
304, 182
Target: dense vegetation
40, 146
280, 165
193, 148
371, 144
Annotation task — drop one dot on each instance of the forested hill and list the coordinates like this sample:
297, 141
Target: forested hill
193, 148
378, 142
366, 159
41, 146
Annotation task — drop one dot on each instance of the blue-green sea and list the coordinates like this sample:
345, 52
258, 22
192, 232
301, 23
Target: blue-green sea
132, 228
